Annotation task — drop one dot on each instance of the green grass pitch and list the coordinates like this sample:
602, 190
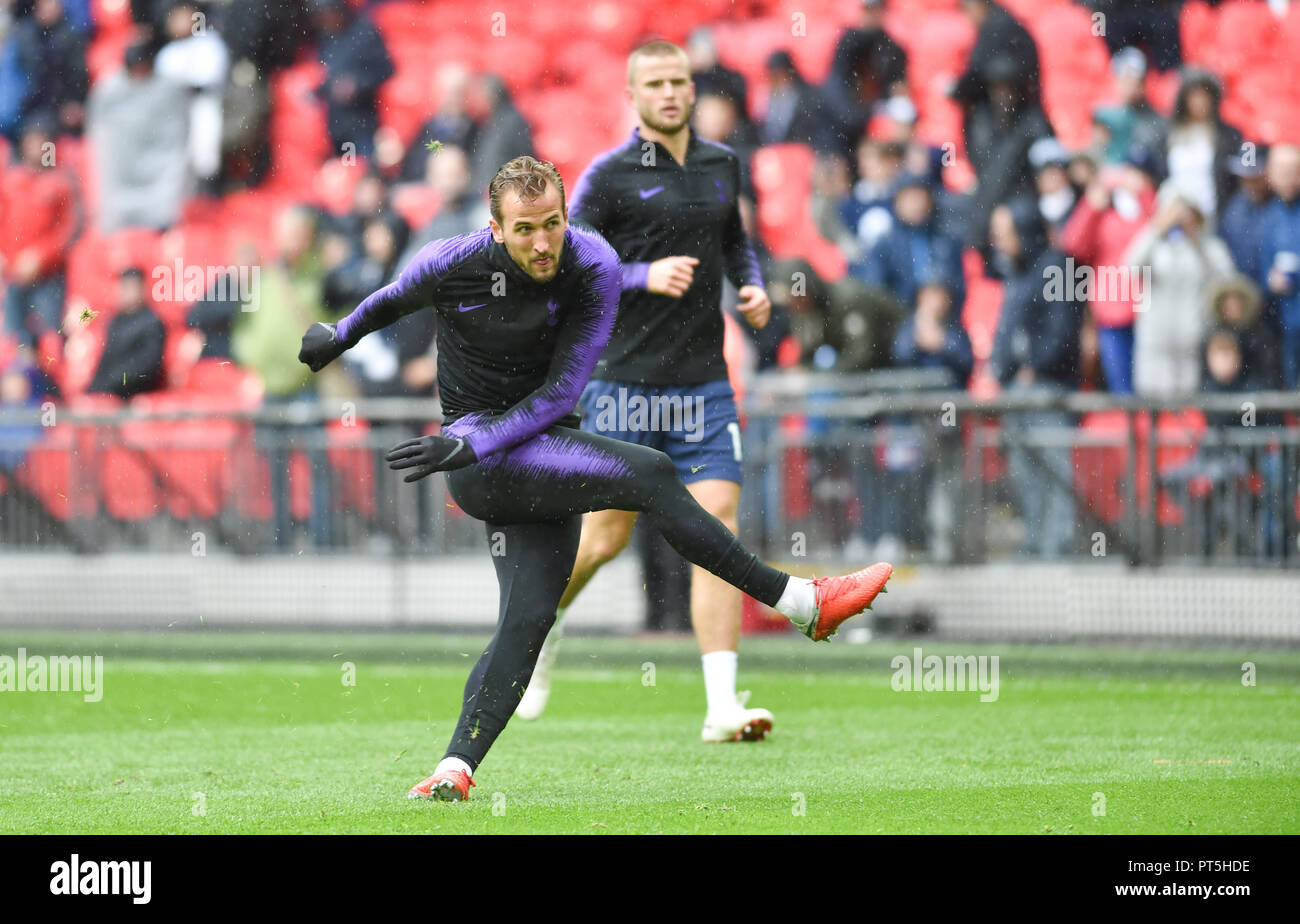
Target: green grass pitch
205, 732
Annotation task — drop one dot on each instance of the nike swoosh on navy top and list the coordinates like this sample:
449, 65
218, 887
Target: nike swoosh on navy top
647, 193
464, 307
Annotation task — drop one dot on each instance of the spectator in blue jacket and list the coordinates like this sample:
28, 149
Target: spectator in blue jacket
356, 65
20, 387
914, 250
902, 491
1037, 337
52, 53
869, 212
1242, 217
1279, 255
933, 338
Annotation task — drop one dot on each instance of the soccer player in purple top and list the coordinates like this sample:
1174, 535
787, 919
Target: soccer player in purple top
525, 308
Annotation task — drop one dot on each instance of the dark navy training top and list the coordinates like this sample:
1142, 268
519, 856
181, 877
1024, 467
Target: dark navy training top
512, 348
650, 207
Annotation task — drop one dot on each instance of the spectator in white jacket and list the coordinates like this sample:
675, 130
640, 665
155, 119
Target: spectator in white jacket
196, 57
1180, 262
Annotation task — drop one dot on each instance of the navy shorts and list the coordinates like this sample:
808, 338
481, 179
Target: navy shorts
695, 425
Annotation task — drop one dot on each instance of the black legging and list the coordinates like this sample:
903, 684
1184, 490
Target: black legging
533, 495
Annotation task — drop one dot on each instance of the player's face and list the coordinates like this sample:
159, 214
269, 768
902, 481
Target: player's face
663, 93
533, 232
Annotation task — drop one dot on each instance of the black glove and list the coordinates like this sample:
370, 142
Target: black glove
432, 454
320, 346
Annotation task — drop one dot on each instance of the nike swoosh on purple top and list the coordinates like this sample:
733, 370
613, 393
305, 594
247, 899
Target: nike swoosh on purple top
647, 193
464, 307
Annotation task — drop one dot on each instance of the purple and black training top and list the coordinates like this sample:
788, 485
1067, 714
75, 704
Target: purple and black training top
516, 351
651, 207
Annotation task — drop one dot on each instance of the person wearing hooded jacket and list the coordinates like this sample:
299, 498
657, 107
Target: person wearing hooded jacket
914, 250
844, 326
1035, 349
1000, 131
865, 68
1235, 303
1185, 261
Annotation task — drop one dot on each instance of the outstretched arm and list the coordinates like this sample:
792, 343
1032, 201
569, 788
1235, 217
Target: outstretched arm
414, 289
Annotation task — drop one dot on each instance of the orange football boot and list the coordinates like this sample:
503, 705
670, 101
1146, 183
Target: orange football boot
451, 786
838, 598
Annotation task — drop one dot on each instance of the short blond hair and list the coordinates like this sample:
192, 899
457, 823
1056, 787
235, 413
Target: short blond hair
525, 176
656, 49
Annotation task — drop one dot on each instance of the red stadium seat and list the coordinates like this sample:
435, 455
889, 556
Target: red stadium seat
813, 52
416, 203
571, 126
746, 46
81, 353
187, 458
406, 102
618, 25
794, 478
111, 16
298, 135
783, 182
1162, 90
1100, 470
202, 243
518, 59
219, 383
1197, 23
106, 54
222, 386
939, 43
58, 477
588, 63
134, 247
251, 214
335, 180
1178, 434
400, 18
127, 488
353, 464
1248, 33
180, 352
299, 486
227, 385
989, 465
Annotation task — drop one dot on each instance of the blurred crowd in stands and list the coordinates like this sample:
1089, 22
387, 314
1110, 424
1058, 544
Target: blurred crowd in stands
931, 248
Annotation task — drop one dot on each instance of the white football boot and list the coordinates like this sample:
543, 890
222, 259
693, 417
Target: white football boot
738, 724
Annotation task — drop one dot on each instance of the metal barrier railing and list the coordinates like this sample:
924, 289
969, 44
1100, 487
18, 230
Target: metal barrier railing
1033, 473
836, 468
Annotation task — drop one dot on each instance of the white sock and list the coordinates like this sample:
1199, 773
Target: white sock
798, 602
550, 648
720, 680
452, 763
